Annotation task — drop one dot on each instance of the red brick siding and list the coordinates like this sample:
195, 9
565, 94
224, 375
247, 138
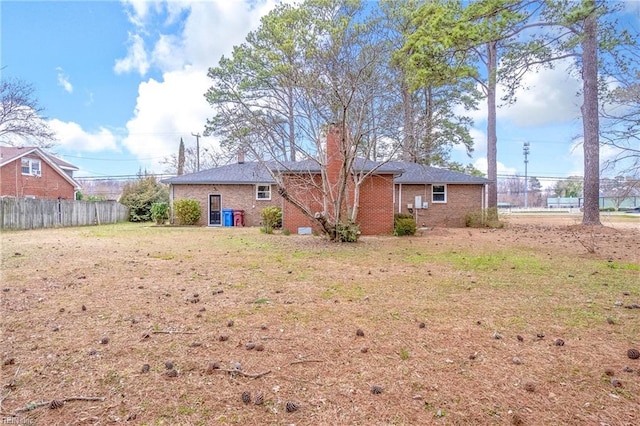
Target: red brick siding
461, 199
375, 212
237, 197
306, 189
50, 185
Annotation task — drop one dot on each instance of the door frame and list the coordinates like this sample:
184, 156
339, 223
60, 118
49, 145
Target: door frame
209, 211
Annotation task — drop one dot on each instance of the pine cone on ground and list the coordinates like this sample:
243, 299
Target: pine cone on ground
376, 390
56, 404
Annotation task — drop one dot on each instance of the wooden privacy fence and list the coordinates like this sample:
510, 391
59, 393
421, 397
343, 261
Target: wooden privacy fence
29, 213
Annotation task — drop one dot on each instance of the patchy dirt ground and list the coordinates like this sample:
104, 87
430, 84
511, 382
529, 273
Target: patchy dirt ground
530, 324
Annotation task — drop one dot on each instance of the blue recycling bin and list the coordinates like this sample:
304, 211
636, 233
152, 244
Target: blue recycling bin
227, 217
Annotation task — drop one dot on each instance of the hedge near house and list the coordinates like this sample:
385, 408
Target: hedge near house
187, 211
140, 195
404, 224
271, 219
160, 212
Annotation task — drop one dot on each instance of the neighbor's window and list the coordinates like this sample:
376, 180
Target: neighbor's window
31, 166
439, 193
263, 192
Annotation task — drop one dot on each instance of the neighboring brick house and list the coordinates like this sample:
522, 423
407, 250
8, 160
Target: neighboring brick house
31, 172
388, 188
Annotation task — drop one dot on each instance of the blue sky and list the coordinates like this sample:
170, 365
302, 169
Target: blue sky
122, 82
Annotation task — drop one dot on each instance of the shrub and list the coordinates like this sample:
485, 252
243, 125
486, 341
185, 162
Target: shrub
140, 195
483, 219
404, 226
402, 216
347, 232
271, 219
187, 211
160, 212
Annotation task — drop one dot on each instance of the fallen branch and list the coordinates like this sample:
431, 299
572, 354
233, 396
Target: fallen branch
33, 405
243, 374
12, 383
10, 386
172, 332
590, 246
301, 361
275, 338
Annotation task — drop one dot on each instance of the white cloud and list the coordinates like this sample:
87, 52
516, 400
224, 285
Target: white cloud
166, 111
551, 98
63, 81
174, 105
136, 59
168, 53
137, 11
72, 137
546, 97
481, 164
211, 29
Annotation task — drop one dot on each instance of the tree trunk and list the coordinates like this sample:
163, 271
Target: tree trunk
590, 124
292, 127
428, 146
492, 138
409, 146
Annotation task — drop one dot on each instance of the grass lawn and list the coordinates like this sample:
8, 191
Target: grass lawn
530, 324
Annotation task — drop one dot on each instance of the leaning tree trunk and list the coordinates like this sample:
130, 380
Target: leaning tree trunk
492, 137
590, 123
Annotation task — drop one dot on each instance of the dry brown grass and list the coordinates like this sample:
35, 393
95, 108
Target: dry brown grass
303, 299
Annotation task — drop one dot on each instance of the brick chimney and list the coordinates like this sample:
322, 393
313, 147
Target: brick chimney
240, 156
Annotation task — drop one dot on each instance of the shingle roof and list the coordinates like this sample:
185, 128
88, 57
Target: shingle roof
10, 153
237, 173
313, 166
420, 174
254, 172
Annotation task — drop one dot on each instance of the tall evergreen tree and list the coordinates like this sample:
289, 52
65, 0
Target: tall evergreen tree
181, 158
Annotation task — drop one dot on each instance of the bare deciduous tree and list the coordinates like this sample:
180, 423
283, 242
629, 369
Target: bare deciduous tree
20, 116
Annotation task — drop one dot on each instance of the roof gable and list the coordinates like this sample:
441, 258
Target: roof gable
11, 154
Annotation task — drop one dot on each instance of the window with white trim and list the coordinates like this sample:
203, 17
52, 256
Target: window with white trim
438, 193
31, 166
263, 192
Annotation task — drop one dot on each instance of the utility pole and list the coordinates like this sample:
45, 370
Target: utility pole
525, 151
197, 135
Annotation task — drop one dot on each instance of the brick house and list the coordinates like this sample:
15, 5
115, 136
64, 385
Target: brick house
241, 186
303, 181
30, 172
435, 197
